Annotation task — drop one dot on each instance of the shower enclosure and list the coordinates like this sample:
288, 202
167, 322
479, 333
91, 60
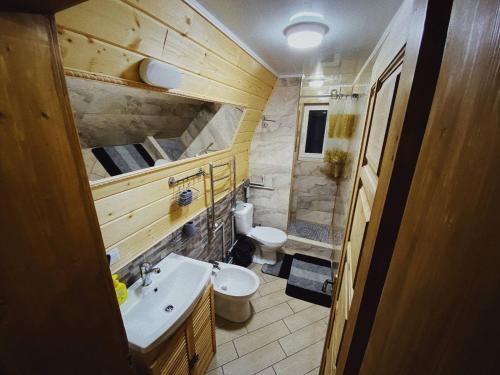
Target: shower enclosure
320, 167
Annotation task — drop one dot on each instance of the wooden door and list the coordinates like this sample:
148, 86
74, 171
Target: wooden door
398, 110
378, 118
58, 308
439, 308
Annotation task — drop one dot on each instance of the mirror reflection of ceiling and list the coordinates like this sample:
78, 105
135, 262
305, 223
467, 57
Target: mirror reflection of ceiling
123, 129
355, 27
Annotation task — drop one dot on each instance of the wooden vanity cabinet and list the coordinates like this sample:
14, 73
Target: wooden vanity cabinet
190, 349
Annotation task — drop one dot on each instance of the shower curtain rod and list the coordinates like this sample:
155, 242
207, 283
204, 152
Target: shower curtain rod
334, 94
355, 96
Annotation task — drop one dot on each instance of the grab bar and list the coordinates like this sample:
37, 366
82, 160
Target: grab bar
257, 186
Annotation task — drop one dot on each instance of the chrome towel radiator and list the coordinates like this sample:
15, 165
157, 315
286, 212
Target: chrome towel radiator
217, 223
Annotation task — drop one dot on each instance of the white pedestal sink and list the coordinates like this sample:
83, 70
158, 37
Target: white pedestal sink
152, 313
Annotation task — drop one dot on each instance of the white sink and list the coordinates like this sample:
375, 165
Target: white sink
180, 284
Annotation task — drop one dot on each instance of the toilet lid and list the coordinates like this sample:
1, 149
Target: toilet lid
268, 236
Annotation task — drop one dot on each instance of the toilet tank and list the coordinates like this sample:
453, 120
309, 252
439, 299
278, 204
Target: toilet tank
243, 217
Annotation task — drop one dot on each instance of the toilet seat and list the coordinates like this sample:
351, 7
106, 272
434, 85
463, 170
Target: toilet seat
268, 236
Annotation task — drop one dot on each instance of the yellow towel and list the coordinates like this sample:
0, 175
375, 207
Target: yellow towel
341, 126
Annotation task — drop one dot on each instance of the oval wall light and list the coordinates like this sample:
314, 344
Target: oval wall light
160, 74
306, 31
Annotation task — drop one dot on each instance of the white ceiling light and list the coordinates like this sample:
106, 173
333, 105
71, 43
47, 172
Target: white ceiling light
306, 30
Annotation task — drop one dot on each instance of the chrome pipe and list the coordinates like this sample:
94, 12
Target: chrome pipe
218, 227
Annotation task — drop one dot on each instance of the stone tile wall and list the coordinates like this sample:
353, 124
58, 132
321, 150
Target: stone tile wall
313, 196
215, 134
271, 154
197, 247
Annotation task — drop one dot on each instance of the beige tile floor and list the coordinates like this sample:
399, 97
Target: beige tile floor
285, 335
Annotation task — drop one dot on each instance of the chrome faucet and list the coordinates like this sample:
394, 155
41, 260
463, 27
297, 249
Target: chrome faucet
215, 264
146, 270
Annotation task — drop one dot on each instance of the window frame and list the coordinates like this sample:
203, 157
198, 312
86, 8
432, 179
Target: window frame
303, 155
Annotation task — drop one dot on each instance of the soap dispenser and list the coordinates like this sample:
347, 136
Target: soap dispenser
120, 289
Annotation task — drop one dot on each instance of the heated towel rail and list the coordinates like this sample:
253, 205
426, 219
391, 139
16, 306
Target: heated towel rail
217, 223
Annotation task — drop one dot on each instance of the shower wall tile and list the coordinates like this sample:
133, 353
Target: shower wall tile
313, 196
218, 132
271, 154
313, 216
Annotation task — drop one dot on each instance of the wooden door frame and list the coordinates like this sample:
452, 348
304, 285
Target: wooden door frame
439, 309
423, 55
48, 7
392, 67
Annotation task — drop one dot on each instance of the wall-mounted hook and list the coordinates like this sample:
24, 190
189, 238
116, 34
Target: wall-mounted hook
266, 121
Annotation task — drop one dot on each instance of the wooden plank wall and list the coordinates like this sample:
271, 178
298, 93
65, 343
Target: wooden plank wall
58, 307
109, 38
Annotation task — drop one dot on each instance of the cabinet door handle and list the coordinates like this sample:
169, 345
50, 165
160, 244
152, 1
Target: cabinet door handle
193, 361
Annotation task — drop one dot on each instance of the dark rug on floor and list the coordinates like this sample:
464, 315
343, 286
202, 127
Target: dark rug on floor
281, 268
306, 278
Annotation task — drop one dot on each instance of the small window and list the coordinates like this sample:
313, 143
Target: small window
313, 135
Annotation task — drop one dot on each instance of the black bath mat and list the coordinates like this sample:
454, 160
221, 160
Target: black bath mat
306, 277
281, 268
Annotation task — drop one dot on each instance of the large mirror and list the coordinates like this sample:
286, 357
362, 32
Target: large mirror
124, 129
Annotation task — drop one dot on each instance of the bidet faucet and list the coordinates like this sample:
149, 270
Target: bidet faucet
146, 270
215, 264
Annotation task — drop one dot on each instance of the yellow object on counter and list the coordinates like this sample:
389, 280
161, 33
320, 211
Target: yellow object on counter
120, 289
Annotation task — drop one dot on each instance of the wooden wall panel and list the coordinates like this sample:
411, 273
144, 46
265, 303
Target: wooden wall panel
58, 308
132, 246
185, 20
252, 115
119, 24
248, 126
88, 54
107, 187
243, 137
107, 39
137, 212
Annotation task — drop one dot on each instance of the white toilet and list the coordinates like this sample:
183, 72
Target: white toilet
269, 239
233, 288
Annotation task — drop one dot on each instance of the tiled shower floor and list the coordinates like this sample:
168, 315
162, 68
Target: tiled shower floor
285, 335
311, 231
